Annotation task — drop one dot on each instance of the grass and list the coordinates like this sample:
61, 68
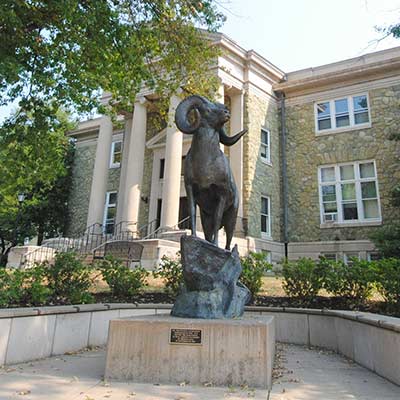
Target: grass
272, 286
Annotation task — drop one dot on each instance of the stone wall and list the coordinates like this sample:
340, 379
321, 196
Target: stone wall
82, 172
306, 151
261, 178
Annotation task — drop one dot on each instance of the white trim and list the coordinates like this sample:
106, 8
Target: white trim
322, 93
357, 180
266, 235
352, 125
267, 159
112, 154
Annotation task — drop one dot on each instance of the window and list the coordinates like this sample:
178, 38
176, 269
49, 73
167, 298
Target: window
162, 167
351, 111
348, 257
329, 256
373, 256
110, 210
349, 193
265, 147
183, 166
116, 154
265, 217
267, 255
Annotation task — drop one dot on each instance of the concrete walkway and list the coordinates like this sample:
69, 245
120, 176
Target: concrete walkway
300, 374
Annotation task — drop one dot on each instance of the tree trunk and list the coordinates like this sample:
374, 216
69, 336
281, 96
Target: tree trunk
40, 235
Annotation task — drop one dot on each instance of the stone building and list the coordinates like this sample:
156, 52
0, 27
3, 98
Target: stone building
315, 170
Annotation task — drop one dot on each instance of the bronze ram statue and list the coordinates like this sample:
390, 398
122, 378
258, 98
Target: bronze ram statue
209, 181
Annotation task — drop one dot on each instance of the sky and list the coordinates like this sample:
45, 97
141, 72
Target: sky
297, 34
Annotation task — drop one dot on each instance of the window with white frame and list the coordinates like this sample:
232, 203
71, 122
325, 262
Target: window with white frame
349, 193
350, 111
265, 147
349, 257
116, 154
265, 216
110, 211
267, 255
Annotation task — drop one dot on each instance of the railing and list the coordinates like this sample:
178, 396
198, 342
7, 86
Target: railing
94, 237
126, 230
182, 224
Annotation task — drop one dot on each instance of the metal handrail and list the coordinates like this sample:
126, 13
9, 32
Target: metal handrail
118, 228
165, 229
93, 238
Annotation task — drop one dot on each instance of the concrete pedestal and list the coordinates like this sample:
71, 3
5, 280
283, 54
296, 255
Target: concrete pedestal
165, 349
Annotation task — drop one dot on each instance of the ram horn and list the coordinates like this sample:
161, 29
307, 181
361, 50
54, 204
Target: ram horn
183, 110
230, 140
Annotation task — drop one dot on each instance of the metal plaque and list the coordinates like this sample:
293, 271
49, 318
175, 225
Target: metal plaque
185, 336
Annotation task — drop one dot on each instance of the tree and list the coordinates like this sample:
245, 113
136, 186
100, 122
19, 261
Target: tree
68, 51
35, 159
387, 238
391, 30
62, 54
47, 208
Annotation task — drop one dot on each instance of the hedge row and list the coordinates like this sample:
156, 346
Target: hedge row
356, 282
67, 281
254, 266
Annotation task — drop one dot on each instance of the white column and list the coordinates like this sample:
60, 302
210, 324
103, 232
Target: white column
124, 166
100, 172
172, 170
134, 168
220, 98
236, 151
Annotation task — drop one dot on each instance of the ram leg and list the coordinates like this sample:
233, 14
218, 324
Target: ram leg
208, 226
229, 225
219, 212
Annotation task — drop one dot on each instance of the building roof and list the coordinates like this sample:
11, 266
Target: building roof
366, 67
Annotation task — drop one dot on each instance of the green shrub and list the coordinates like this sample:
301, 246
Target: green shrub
354, 282
387, 240
254, 267
302, 279
387, 276
68, 279
123, 281
170, 270
23, 287
35, 289
11, 282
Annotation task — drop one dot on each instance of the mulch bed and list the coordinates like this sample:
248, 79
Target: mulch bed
333, 303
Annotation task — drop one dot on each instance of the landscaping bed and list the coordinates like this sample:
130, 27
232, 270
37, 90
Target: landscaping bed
319, 284
321, 302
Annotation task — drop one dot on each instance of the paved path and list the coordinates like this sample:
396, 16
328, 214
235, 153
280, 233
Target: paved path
300, 374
